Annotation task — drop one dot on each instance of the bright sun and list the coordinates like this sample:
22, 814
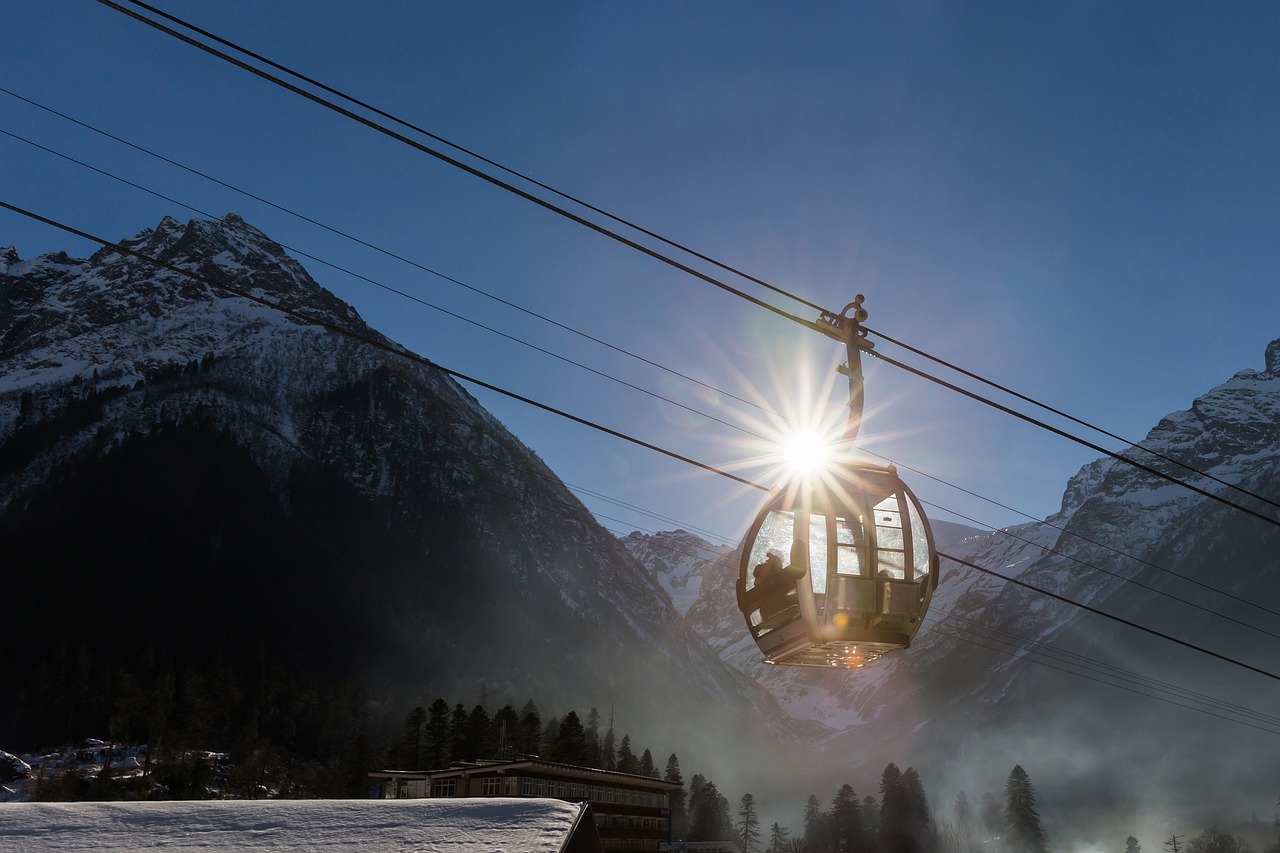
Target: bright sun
806, 450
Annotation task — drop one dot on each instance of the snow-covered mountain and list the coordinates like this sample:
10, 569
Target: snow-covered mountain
199, 476
220, 475
1001, 675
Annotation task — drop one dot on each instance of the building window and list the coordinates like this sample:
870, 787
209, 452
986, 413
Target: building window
492, 786
445, 787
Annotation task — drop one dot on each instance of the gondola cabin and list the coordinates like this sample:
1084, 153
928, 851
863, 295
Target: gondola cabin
837, 569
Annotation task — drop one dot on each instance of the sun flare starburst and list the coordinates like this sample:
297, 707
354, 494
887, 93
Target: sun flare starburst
806, 450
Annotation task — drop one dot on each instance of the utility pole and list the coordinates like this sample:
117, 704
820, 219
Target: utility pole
1172, 844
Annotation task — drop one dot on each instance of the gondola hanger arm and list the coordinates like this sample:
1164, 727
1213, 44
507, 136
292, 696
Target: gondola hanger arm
847, 328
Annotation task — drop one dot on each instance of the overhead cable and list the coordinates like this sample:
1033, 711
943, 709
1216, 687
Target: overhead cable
368, 245
587, 368
440, 155
1127, 688
1152, 631
950, 386
1026, 399
573, 362
1101, 666
397, 291
1069, 532
470, 153
1093, 566
472, 170
385, 346
382, 344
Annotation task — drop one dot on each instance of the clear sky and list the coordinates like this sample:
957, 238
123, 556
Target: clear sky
1077, 200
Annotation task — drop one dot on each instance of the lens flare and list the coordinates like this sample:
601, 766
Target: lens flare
805, 451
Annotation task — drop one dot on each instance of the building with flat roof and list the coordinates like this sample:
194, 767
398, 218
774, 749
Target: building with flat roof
632, 813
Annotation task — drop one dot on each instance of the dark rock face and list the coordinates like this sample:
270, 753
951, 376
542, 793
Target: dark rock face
188, 476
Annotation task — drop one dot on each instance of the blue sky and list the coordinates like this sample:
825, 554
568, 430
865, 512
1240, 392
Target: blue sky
1077, 200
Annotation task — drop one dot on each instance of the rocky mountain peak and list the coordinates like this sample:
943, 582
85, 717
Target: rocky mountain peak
314, 486
59, 305
1273, 357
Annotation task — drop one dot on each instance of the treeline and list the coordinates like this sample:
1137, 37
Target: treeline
281, 735
437, 735
900, 820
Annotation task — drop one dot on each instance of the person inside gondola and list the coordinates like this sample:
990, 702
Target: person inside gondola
776, 584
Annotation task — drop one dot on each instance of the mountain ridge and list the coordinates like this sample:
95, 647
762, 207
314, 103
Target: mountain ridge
996, 667
108, 358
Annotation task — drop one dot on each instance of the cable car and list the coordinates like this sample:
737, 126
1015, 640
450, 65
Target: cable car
839, 566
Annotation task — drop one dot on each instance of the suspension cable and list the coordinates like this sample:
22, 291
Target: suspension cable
472, 170
1135, 445
381, 344
359, 241
815, 326
1152, 631
399, 351
950, 386
470, 153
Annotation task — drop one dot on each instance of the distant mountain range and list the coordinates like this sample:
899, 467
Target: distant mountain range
192, 475
1120, 728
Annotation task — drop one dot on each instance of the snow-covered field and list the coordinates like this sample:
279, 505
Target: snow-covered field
470, 825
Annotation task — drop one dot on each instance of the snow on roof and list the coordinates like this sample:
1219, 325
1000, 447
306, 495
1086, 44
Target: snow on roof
479, 825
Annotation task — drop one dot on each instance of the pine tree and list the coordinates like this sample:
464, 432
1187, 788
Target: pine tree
706, 813
609, 749
504, 731
846, 821
963, 823
748, 828
1025, 834
478, 745
992, 816
677, 799
895, 812
410, 751
727, 829
812, 818
458, 733
696, 786
548, 742
529, 740
646, 764
919, 819
871, 819
1277, 846
627, 761
571, 745
437, 731
778, 836
593, 739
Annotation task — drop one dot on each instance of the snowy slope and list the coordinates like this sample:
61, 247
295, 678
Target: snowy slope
679, 560
474, 825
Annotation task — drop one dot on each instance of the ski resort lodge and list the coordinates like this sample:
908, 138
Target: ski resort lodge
631, 812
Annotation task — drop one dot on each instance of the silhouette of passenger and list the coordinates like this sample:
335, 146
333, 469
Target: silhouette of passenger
776, 584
